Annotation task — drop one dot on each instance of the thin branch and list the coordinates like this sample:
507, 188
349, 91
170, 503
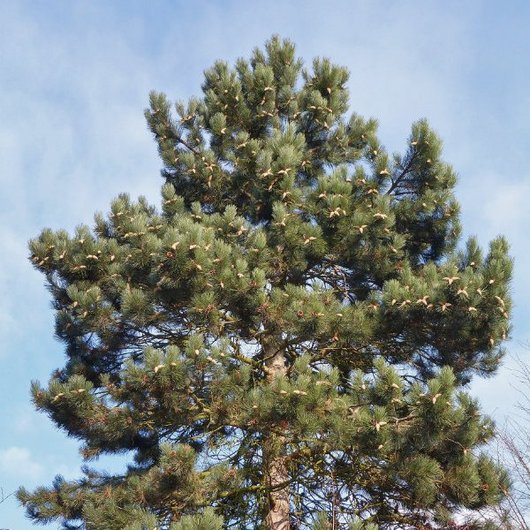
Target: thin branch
406, 170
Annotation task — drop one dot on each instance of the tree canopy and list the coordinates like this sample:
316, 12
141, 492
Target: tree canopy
285, 341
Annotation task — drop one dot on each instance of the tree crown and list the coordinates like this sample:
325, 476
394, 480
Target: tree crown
299, 298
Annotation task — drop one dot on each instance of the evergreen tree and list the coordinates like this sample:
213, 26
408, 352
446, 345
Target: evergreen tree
285, 342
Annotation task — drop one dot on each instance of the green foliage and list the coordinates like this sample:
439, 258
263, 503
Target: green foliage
360, 525
284, 227
205, 521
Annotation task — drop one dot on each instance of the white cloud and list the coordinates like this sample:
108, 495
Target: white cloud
68, 472
17, 462
496, 204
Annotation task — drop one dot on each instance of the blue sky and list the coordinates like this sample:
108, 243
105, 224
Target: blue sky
74, 80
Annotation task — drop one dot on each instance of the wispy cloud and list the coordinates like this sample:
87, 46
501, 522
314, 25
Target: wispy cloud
18, 462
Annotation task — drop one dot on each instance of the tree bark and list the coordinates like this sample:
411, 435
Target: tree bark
274, 455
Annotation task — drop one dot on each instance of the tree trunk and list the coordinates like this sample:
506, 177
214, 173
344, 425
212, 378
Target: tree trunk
274, 456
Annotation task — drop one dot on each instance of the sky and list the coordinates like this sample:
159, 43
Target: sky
75, 78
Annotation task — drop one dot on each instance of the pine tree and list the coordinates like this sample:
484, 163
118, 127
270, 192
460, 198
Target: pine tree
286, 341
